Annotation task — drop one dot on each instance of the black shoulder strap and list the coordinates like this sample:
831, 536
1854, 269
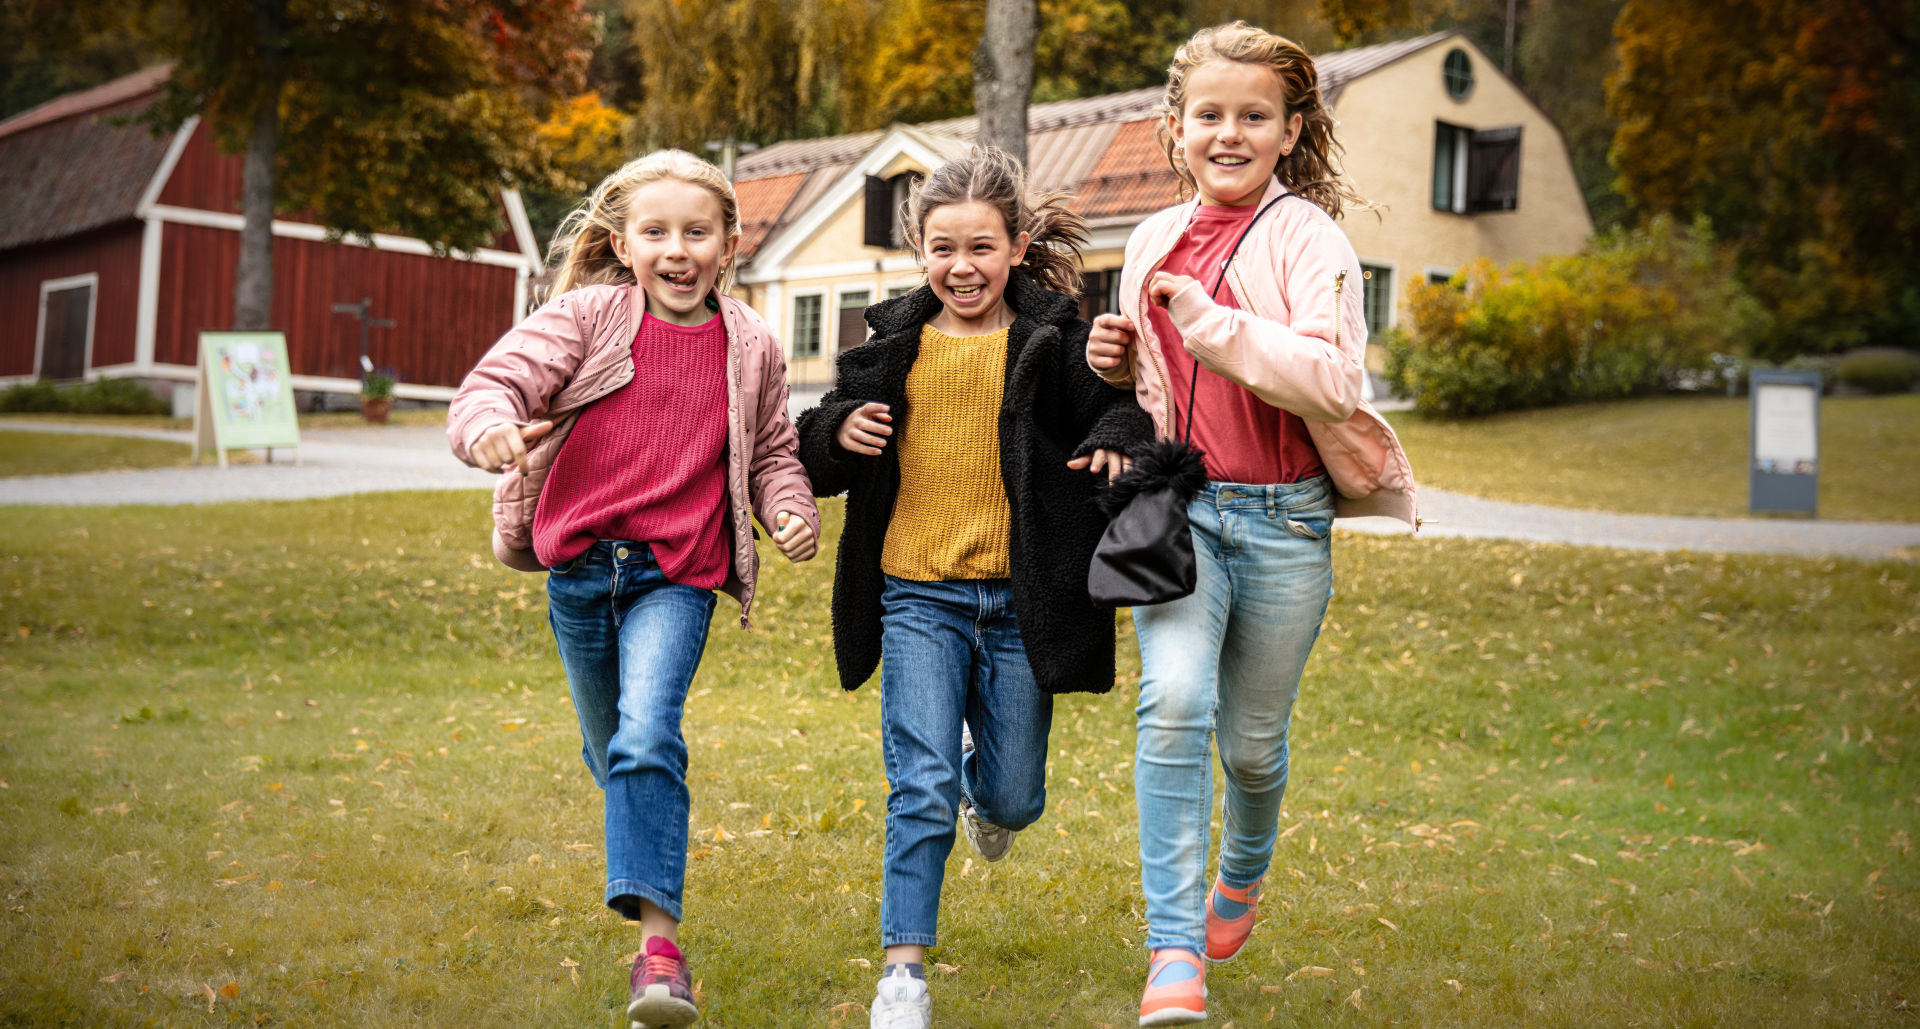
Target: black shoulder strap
1194, 379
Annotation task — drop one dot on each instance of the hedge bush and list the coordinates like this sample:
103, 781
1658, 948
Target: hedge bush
105, 396
1880, 370
1639, 312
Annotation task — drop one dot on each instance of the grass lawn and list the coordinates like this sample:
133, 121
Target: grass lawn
1670, 455
48, 453
314, 764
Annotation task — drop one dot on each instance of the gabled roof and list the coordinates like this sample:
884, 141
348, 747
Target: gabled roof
72, 165
1101, 147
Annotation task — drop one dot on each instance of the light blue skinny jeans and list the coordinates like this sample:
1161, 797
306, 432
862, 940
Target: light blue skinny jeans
1225, 663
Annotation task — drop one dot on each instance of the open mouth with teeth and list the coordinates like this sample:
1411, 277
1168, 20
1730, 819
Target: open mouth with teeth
683, 282
967, 293
1229, 160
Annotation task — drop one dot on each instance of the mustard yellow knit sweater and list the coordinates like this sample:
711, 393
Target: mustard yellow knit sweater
950, 518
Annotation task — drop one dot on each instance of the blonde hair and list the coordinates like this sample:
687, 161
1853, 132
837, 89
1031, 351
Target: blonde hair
1312, 168
582, 250
993, 177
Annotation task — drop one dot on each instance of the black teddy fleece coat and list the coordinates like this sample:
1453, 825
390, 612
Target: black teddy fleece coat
1053, 408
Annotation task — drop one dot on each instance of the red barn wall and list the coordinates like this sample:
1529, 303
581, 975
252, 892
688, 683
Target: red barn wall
112, 253
207, 180
448, 311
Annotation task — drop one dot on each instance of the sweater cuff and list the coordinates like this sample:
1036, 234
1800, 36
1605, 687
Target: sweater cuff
1188, 306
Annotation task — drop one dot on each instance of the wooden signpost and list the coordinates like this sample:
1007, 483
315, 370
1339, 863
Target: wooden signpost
246, 395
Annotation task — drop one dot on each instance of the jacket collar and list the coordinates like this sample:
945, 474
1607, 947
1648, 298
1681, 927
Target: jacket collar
1029, 300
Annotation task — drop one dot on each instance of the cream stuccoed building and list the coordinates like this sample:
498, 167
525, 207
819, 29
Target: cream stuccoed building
1460, 163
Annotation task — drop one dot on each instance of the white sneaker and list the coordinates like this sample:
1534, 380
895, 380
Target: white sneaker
989, 840
901, 1002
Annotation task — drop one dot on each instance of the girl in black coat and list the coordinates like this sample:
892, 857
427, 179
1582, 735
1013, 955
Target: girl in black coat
963, 432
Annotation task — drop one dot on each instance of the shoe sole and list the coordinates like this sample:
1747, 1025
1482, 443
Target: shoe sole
1211, 960
661, 1013
1172, 1016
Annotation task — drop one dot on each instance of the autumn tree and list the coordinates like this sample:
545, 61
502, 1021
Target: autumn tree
1793, 126
399, 118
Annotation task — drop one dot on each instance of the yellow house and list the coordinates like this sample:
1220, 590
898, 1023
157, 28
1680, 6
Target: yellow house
1460, 163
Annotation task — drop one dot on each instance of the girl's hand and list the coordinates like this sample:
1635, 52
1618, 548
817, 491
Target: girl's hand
1107, 346
505, 446
1110, 461
1164, 285
866, 430
794, 537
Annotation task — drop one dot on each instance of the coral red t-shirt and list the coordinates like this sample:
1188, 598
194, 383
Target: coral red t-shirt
1245, 438
648, 462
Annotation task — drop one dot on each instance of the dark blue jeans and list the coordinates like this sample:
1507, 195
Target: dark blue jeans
952, 651
631, 641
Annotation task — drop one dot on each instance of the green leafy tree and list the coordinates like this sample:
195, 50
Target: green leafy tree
1794, 127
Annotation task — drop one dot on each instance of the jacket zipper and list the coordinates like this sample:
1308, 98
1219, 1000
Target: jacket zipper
1339, 284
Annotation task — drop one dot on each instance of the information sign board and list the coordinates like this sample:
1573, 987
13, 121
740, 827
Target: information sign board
1784, 458
246, 395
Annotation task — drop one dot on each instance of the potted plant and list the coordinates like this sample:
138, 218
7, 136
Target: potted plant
376, 396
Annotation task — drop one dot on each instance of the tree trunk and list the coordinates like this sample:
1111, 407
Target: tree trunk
1003, 74
253, 280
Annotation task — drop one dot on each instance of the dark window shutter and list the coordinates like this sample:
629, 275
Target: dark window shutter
879, 226
1493, 170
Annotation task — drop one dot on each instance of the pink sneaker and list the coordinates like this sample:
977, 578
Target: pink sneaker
1176, 991
1226, 935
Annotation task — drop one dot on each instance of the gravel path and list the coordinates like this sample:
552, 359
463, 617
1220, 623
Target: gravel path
341, 461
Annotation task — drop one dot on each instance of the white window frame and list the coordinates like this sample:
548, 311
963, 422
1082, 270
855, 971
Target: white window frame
904, 287
90, 279
1392, 268
1444, 273
832, 347
793, 324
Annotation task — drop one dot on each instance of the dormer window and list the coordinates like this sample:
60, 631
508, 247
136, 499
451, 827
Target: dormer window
886, 203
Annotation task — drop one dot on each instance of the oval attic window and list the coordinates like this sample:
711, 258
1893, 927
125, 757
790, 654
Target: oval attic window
1459, 74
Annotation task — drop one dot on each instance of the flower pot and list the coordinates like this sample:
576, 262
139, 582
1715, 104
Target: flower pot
376, 409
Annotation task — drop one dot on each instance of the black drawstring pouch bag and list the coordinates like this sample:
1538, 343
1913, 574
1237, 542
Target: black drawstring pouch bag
1146, 554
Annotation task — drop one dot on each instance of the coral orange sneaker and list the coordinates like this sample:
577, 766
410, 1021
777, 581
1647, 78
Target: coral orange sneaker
1229, 919
1176, 991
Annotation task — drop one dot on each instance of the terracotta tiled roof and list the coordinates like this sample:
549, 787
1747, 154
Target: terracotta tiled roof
1131, 177
761, 202
70, 165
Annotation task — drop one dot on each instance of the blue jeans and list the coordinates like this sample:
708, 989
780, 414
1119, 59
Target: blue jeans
631, 641
1226, 662
952, 651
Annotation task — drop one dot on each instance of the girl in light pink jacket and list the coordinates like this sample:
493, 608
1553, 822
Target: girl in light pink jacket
640, 421
1249, 296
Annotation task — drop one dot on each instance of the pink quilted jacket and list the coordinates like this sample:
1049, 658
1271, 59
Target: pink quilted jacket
578, 348
1282, 343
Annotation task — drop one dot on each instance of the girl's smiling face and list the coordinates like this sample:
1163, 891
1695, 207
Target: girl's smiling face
676, 242
1234, 127
969, 257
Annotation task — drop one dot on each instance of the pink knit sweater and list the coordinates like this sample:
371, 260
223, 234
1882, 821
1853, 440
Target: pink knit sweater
648, 461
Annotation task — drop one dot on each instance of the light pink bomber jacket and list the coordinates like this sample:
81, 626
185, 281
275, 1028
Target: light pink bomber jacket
1279, 343
578, 348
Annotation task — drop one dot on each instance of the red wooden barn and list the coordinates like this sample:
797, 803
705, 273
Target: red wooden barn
118, 247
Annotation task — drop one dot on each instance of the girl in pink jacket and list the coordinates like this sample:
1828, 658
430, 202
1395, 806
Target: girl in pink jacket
640, 420
1249, 297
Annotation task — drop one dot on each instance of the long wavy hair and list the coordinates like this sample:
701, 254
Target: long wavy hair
988, 175
582, 248
1312, 169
